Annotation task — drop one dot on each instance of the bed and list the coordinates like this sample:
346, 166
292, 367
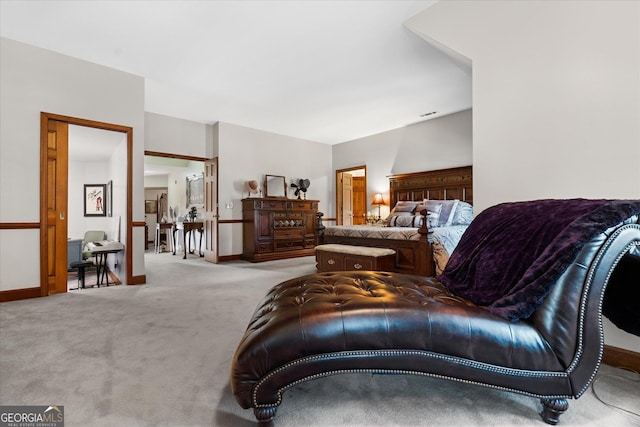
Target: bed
420, 249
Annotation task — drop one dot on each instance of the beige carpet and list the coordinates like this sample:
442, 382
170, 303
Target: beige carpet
159, 355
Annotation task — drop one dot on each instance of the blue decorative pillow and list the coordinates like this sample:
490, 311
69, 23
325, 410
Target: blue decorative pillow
463, 214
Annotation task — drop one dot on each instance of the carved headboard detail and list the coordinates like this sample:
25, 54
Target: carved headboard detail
443, 184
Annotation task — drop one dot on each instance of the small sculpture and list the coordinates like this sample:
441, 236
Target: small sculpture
301, 188
252, 186
193, 213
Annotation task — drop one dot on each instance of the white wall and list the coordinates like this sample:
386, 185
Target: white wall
33, 80
81, 173
555, 92
556, 98
246, 154
439, 143
160, 181
171, 135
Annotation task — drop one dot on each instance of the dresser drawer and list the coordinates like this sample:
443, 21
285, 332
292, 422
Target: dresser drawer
288, 233
300, 205
271, 205
288, 245
264, 247
355, 262
341, 258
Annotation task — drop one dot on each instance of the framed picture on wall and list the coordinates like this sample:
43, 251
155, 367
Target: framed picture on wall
94, 195
150, 206
195, 190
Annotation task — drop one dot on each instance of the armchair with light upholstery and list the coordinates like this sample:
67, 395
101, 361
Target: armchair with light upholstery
91, 236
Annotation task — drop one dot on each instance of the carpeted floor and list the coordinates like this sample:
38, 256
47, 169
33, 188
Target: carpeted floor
159, 355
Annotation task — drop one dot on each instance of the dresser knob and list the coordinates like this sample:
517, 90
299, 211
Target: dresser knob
331, 262
357, 266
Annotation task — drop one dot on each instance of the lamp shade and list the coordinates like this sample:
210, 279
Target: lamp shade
377, 199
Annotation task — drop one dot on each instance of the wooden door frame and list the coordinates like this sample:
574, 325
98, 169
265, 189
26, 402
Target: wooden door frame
339, 189
44, 192
214, 244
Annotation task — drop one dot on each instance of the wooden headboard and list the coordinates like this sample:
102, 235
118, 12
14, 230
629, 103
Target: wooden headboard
443, 184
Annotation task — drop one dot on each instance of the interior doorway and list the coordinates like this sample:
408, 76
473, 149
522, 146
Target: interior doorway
168, 172
351, 196
54, 195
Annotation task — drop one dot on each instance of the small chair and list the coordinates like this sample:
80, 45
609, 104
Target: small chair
91, 236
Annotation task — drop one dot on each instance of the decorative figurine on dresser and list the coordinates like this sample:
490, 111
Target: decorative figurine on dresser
276, 227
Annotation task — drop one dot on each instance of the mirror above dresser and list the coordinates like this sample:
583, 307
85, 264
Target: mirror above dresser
275, 186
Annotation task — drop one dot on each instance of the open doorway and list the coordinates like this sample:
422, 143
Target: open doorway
175, 187
55, 196
351, 196
97, 159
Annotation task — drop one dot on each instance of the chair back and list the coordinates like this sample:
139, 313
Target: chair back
91, 236
574, 304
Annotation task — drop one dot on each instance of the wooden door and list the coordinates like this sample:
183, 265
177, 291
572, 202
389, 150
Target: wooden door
54, 196
211, 210
359, 200
347, 199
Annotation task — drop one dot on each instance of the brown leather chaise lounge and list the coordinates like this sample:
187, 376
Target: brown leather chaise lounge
518, 308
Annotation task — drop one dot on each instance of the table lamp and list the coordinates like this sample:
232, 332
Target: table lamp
378, 201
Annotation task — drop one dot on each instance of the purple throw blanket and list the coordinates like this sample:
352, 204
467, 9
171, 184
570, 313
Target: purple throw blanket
512, 253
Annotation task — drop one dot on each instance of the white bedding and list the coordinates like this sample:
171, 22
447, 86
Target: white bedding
443, 239
373, 232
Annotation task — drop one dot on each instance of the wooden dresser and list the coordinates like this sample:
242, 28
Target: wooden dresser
277, 228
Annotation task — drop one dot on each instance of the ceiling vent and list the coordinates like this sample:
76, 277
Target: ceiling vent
428, 114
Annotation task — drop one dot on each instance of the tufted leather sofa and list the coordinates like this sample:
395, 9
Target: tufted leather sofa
328, 323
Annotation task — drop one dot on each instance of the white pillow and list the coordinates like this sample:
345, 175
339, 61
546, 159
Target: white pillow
433, 215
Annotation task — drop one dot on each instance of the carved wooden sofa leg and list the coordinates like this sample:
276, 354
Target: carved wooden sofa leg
265, 415
552, 409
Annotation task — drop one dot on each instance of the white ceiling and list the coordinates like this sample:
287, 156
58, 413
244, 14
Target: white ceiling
327, 71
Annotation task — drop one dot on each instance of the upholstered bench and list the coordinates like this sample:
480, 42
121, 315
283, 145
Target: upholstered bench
336, 257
